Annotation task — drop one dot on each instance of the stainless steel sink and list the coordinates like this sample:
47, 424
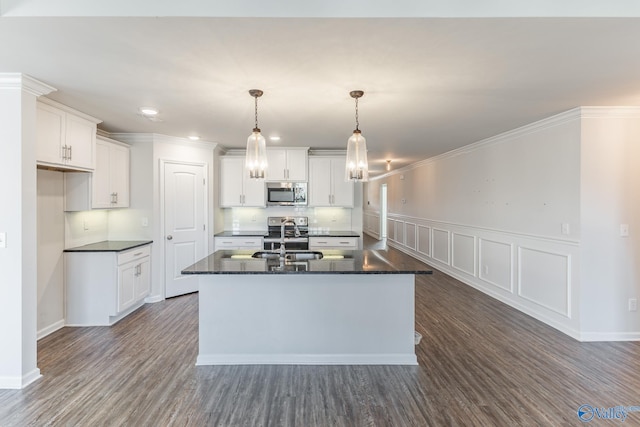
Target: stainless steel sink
289, 256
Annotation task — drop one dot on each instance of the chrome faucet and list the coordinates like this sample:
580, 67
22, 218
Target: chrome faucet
282, 225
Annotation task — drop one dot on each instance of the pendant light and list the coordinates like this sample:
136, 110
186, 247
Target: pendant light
256, 159
357, 167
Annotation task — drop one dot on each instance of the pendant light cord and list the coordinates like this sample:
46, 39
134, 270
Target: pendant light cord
357, 123
256, 99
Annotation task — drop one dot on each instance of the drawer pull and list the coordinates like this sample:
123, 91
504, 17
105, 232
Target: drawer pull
138, 254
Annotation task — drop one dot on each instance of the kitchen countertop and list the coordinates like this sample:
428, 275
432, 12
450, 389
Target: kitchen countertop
110, 246
333, 262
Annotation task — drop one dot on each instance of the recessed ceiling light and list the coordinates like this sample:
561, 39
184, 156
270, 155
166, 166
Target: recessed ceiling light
194, 137
274, 138
148, 111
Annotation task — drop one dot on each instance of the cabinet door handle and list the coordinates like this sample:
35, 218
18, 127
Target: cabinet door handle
115, 198
70, 153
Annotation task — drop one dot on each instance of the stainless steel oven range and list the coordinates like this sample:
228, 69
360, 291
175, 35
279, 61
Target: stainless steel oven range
296, 233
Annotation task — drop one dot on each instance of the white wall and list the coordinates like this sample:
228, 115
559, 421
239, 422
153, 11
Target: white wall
610, 196
491, 215
532, 217
50, 257
18, 262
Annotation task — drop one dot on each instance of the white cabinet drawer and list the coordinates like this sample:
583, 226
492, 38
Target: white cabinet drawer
130, 255
333, 242
238, 243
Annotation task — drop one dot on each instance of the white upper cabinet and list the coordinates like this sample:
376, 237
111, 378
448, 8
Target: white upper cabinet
65, 138
327, 186
287, 164
107, 186
110, 186
236, 188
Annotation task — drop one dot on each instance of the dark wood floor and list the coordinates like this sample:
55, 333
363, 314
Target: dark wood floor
480, 363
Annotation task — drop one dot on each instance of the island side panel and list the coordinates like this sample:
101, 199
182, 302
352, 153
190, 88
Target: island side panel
307, 319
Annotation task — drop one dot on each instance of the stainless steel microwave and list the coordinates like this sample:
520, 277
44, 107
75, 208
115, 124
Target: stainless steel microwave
286, 193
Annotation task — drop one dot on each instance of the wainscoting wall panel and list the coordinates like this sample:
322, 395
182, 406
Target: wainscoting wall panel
391, 229
496, 263
544, 278
441, 245
424, 240
534, 274
410, 235
372, 224
463, 253
399, 232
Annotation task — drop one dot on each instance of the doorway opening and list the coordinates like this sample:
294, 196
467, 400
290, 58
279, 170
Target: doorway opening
383, 211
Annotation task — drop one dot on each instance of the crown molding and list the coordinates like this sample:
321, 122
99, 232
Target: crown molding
133, 138
623, 112
26, 83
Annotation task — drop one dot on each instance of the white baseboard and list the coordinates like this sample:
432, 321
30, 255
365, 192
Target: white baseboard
153, 299
306, 359
50, 329
609, 336
17, 383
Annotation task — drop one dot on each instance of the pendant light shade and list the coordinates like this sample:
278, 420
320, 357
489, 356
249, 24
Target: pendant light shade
357, 167
256, 157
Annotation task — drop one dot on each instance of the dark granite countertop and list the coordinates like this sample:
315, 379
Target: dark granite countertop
333, 262
110, 246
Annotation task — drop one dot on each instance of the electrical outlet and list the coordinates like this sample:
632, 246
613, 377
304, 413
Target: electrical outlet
145, 221
566, 229
633, 304
486, 270
85, 225
3, 240
624, 230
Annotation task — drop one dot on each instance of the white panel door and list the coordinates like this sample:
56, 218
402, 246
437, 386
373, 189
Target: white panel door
184, 223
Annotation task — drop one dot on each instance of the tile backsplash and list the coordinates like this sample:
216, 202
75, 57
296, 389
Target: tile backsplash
249, 219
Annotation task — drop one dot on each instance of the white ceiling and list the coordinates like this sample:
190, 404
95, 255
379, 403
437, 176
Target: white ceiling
431, 84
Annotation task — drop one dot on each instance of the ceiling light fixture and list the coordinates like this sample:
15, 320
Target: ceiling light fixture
357, 168
148, 111
388, 165
256, 158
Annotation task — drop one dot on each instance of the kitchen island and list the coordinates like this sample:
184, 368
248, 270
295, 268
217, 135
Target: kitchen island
334, 307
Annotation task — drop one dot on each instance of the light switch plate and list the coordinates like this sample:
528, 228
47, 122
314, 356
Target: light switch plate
3, 240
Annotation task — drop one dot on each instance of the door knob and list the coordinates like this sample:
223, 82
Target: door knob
169, 237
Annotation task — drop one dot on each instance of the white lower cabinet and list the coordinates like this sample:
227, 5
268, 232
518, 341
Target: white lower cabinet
134, 282
103, 287
235, 243
349, 243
